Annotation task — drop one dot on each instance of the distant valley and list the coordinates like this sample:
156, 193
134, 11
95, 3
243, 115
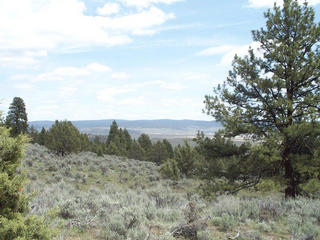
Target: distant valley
156, 129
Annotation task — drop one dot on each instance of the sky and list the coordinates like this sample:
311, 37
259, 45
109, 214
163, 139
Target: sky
121, 59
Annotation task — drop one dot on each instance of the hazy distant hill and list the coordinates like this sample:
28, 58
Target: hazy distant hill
155, 128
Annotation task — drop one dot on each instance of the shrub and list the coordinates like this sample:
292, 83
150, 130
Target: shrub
13, 222
170, 169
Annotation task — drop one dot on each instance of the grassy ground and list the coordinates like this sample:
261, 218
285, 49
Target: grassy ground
88, 197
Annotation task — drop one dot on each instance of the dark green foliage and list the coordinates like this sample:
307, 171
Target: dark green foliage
127, 140
42, 137
112, 149
99, 151
119, 141
159, 153
33, 133
170, 169
187, 159
14, 224
136, 151
230, 168
145, 142
85, 144
64, 138
275, 97
169, 148
113, 133
98, 147
17, 119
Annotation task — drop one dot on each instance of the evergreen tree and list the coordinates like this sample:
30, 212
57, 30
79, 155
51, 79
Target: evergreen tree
85, 144
64, 138
145, 142
17, 119
112, 149
113, 132
98, 147
121, 143
33, 133
170, 169
14, 223
159, 153
42, 137
186, 158
168, 147
128, 140
274, 97
136, 151
219, 158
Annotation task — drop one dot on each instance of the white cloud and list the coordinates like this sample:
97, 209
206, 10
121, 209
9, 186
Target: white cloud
229, 51
269, 3
240, 51
24, 86
30, 29
108, 9
216, 50
146, 3
39, 53
170, 85
176, 102
21, 59
198, 76
109, 94
62, 73
120, 76
97, 67
67, 91
18, 61
133, 101
140, 23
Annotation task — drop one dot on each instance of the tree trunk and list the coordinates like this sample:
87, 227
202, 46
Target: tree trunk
291, 189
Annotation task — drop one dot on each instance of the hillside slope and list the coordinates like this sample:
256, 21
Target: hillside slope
112, 198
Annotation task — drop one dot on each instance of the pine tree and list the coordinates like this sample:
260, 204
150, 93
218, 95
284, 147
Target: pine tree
14, 223
85, 144
98, 147
169, 148
42, 137
136, 151
146, 144
64, 138
186, 158
121, 143
224, 165
112, 149
170, 169
275, 96
17, 118
128, 140
33, 133
113, 132
159, 153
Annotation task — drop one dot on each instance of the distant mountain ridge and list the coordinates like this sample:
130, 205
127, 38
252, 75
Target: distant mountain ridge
156, 128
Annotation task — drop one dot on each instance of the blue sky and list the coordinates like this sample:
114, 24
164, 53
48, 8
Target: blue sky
121, 59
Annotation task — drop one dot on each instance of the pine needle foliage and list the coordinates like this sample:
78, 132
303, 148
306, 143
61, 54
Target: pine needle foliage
273, 93
14, 221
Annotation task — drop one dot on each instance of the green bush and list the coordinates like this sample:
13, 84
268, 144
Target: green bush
170, 169
14, 224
